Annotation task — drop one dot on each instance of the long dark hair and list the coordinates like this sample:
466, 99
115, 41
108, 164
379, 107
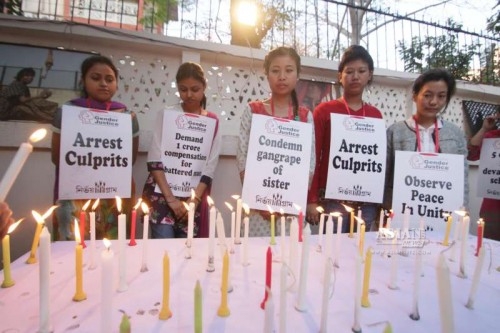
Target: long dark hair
194, 71
280, 52
436, 74
91, 61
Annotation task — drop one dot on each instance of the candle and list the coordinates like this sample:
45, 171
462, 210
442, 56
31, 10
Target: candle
416, 278
393, 284
191, 218
221, 234
444, 295
389, 219
338, 240
463, 248
223, 310
122, 238
293, 251
356, 327
79, 293
198, 317
301, 223
475, 278
304, 268
44, 278
269, 315
133, 222
325, 295
145, 236
18, 161
269, 267
282, 234
233, 221
381, 218
211, 235
321, 229
272, 241
283, 273
7, 276
351, 220
456, 235
329, 237
480, 233
447, 230
406, 219
237, 239
83, 216
125, 324
107, 279
359, 221
365, 302
92, 264
245, 243
39, 225
165, 312
362, 238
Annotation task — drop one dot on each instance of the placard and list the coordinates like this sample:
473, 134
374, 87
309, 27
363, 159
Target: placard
488, 182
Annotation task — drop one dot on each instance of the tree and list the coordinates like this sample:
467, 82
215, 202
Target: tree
157, 12
439, 52
494, 21
490, 67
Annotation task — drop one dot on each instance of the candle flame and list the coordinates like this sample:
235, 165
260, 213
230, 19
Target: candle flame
297, 207
229, 206
13, 226
87, 204
320, 209
246, 208
145, 208
77, 232
38, 218
118, 204
336, 214
94, 206
107, 243
49, 212
193, 194
347, 208
138, 204
282, 211
235, 196
270, 209
210, 201
480, 221
461, 213
185, 205
359, 220
38, 135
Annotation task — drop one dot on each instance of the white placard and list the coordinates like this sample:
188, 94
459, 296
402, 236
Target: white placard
96, 154
429, 184
277, 168
356, 169
488, 182
186, 143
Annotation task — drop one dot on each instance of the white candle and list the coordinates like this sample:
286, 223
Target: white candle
283, 296
456, 235
221, 234
17, 163
122, 259
269, 314
237, 239
145, 236
463, 248
190, 223
44, 274
211, 237
325, 296
381, 218
321, 228
388, 226
245, 241
107, 278
338, 241
304, 268
416, 279
232, 227
282, 235
444, 295
294, 249
356, 327
475, 278
406, 219
393, 283
358, 225
329, 237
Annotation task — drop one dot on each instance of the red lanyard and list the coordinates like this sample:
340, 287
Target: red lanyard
290, 111
89, 104
349, 110
436, 135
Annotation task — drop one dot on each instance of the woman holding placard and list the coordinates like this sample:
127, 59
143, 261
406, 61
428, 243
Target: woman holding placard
282, 68
99, 84
355, 73
168, 214
490, 208
426, 131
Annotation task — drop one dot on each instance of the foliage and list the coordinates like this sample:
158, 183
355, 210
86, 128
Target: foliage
490, 67
14, 7
494, 21
157, 12
439, 52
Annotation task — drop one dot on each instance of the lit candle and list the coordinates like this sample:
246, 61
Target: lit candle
133, 223
304, 268
191, 218
362, 238
365, 302
381, 218
456, 234
92, 264
329, 237
18, 161
327, 275
79, 293
39, 225
233, 221
165, 312
283, 296
269, 272
463, 248
211, 235
444, 294
44, 278
393, 282
107, 278
321, 228
221, 234
359, 221
237, 239
480, 233
145, 237
351, 220
449, 220
273, 226
293, 250
7, 276
122, 242
223, 310
475, 278
245, 243
198, 316
282, 234
269, 315
389, 219
338, 240
416, 279
83, 216
356, 327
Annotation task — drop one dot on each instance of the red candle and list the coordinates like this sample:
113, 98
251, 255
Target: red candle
269, 262
132, 229
301, 224
480, 232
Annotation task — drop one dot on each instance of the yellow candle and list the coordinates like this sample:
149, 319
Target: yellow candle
198, 319
447, 231
351, 225
165, 312
365, 302
223, 308
273, 230
79, 293
8, 281
125, 324
362, 240
40, 222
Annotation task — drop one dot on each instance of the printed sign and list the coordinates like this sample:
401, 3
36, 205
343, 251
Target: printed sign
488, 185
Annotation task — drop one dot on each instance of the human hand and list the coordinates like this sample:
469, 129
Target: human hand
490, 122
45, 93
312, 214
178, 208
5, 219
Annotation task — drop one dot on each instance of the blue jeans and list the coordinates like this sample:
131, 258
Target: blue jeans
368, 214
159, 230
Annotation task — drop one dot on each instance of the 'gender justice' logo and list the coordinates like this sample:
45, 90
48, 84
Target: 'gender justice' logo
418, 161
86, 117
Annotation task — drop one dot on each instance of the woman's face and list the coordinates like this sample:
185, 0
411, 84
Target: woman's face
100, 83
431, 99
355, 76
191, 92
282, 75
